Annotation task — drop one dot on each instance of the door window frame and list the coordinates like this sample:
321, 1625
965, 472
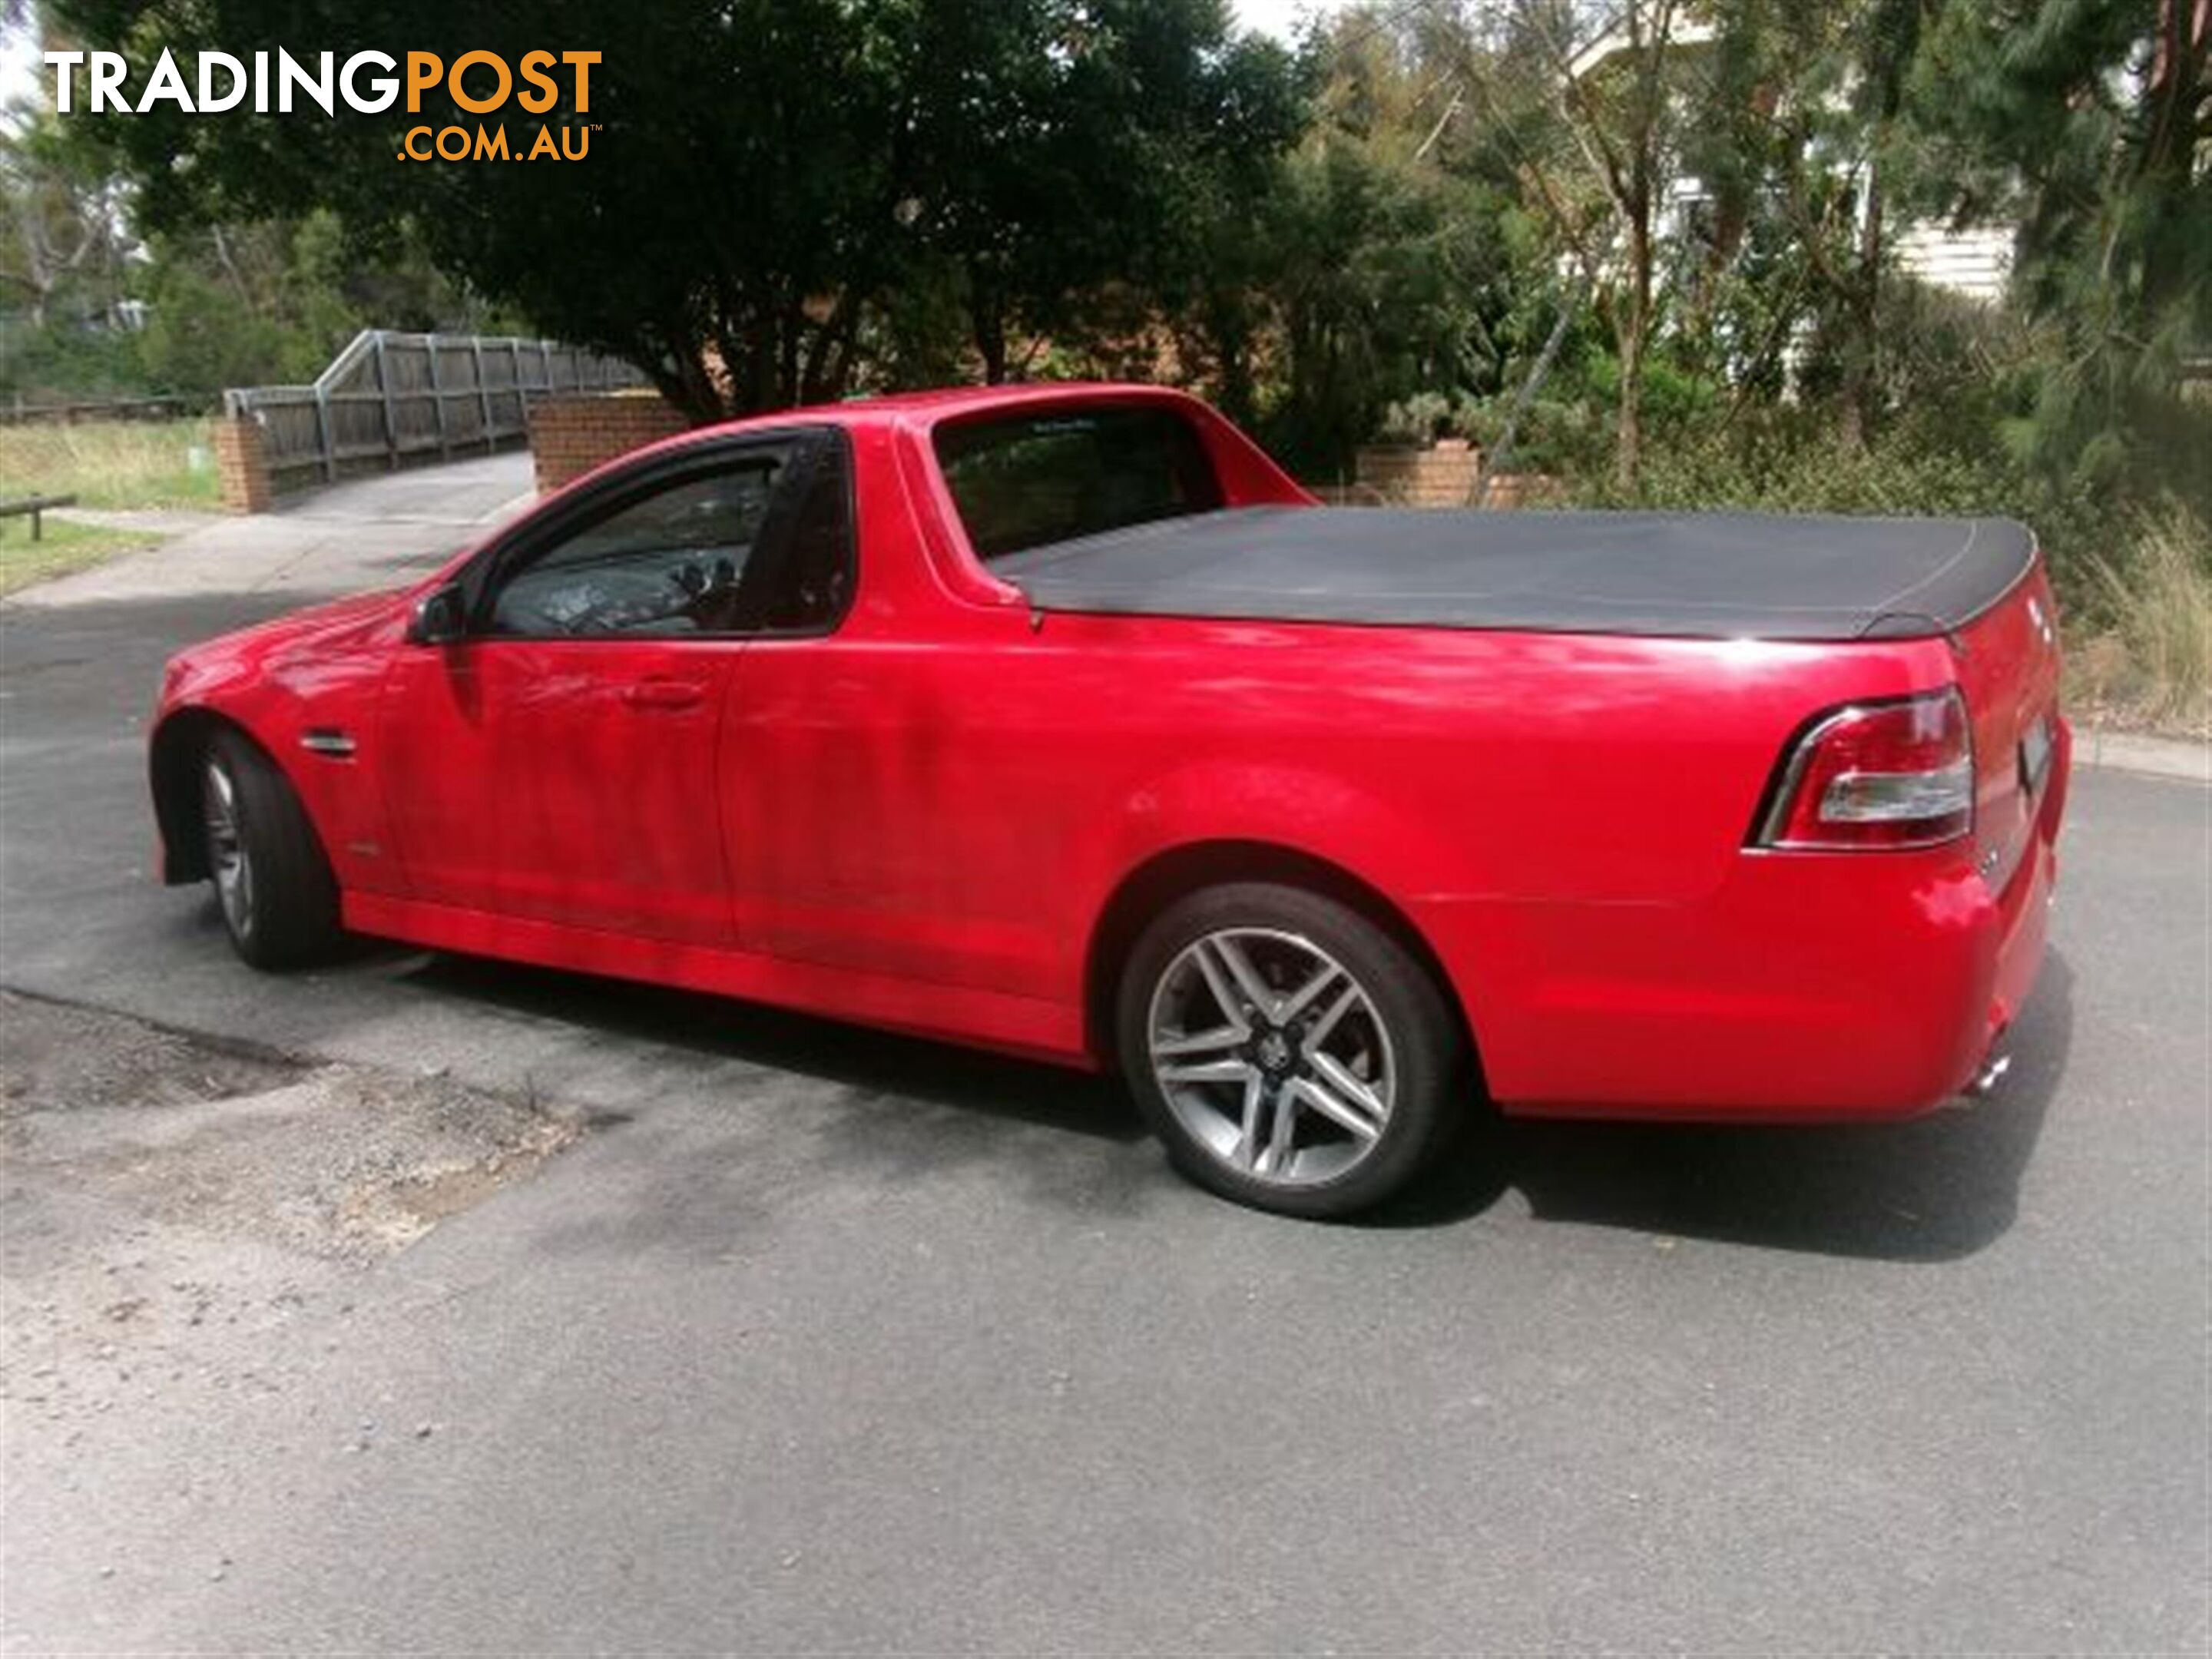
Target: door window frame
767, 564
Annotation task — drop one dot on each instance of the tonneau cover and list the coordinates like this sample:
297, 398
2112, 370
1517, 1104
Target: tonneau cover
1699, 576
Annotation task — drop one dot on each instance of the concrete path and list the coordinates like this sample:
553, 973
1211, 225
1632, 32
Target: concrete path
2157, 758
367, 532
148, 520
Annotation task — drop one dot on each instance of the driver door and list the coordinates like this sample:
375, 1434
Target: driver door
558, 764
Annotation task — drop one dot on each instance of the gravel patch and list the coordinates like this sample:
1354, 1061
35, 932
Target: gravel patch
335, 1161
170, 1207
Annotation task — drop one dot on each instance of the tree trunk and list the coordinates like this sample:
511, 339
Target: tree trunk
1631, 333
991, 345
793, 329
1228, 325
681, 375
1862, 381
759, 383
1628, 443
1497, 454
2172, 94
822, 377
230, 269
987, 318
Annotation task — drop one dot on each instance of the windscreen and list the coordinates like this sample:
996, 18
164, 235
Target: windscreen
1023, 481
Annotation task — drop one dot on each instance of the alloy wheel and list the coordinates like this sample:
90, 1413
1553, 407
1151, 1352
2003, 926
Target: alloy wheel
226, 843
1272, 1055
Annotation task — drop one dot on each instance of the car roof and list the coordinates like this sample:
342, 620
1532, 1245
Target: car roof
911, 410
940, 402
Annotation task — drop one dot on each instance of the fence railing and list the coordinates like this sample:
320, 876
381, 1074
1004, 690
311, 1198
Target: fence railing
20, 413
389, 397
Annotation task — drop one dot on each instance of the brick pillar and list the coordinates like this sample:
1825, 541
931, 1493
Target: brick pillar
1440, 476
241, 467
570, 436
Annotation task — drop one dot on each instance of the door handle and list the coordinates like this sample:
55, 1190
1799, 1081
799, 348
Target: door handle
664, 694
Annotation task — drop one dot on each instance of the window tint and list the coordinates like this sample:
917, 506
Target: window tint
1025, 481
671, 563
814, 575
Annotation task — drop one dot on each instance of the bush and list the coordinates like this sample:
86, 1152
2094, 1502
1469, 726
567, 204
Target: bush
2153, 662
1420, 419
2135, 584
68, 363
1783, 465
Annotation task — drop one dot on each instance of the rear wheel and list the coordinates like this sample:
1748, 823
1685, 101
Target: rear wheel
1289, 1053
272, 882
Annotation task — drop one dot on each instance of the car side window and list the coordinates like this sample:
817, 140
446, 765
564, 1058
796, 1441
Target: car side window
1023, 481
673, 562
810, 580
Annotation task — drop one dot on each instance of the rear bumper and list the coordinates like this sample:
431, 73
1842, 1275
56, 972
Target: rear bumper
1811, 988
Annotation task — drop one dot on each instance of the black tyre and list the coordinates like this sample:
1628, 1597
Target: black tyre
1290, 1054
272, 881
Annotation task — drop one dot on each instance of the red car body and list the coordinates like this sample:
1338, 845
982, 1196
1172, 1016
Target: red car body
947, 815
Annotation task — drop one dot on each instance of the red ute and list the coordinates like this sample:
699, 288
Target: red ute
1058, 720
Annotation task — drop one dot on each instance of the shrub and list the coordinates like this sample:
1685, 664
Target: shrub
1420, 419
2153, 661
1782, 464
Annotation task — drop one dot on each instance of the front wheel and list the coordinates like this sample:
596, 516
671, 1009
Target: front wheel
272, 882
1289, 1053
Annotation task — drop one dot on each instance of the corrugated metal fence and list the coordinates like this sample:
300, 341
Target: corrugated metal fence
390, 398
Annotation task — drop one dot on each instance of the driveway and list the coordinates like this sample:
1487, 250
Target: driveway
817, 1339
369, 531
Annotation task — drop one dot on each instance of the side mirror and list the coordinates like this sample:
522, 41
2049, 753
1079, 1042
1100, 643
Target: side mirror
441, 616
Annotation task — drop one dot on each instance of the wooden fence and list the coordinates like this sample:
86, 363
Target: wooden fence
390, 398
20, 413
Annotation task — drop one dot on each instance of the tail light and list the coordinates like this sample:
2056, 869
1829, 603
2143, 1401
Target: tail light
1894, 773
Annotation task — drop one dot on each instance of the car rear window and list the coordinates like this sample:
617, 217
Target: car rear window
1028, 480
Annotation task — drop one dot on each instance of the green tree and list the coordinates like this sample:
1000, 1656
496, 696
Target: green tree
1591, 104
1800, 122
2087, 124
273, 301
767, 176
1069, 152
1362, 270
62, 231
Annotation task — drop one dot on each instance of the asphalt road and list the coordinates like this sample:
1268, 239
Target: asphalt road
826, 1340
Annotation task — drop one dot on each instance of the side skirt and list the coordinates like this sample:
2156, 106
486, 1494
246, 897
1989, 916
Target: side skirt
1026, 1026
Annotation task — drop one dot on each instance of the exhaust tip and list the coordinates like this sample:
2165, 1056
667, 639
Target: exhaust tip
1992, 1073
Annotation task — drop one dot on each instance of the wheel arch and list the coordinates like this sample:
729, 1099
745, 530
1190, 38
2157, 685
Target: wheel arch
173, 760
1178, 872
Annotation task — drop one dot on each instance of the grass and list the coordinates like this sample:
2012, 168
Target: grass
61, 548
2150, 664
113, 463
